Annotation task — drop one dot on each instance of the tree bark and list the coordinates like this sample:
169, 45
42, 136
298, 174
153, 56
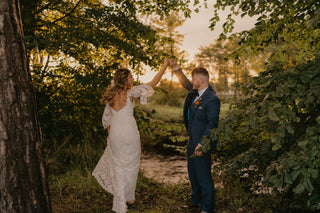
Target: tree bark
23, 180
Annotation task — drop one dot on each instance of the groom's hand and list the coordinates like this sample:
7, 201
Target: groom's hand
174, 65
197, 153
172, 62
166, 62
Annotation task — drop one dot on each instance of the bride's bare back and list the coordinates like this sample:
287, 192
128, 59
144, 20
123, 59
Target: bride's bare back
120, 100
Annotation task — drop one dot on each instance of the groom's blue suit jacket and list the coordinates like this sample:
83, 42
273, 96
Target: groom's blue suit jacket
199, 119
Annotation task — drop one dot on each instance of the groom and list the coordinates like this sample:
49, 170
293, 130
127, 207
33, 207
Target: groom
201, 114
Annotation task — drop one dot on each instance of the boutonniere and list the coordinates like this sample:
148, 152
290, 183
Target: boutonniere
197, 102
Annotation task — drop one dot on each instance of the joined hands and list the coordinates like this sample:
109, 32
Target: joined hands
173, 64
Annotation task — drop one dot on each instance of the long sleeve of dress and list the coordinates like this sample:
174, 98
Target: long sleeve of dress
143, 91
106, 117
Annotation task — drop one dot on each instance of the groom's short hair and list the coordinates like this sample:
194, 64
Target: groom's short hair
200, 71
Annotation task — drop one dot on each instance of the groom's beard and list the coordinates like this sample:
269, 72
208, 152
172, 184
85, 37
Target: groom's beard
196, 86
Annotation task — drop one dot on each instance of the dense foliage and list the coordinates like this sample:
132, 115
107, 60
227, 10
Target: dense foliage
271, 140
292, 25
269, 143
74, 47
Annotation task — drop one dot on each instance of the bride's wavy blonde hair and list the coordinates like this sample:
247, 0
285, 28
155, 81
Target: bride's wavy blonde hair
120, 83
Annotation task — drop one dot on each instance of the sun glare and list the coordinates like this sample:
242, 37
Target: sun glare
147, 77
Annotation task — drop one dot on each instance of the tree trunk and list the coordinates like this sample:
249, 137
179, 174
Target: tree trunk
23, 180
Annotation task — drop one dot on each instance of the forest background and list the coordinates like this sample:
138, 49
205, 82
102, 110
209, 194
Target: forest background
268, 150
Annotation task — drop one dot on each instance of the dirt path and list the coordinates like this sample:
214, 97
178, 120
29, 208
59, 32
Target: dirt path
164, 169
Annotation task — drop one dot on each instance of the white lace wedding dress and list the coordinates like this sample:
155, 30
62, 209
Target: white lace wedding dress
117, 169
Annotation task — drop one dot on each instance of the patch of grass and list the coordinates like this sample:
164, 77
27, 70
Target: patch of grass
165, 113
224, 109
78, 191
152, 196
173, 113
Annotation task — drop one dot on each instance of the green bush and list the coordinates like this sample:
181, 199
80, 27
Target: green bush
270, 140
173, 98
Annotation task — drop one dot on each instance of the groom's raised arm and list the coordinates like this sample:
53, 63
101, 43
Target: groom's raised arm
184, 81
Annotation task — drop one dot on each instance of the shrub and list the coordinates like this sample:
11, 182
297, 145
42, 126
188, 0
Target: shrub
270, 140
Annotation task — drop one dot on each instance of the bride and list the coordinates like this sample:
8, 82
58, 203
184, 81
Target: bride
117, 169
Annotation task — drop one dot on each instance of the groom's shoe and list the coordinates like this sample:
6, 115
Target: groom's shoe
192, 206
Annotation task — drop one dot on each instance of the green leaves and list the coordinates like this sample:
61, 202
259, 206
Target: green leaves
303, 143
272, 115
290, 29
275, 129
205, 146
90, 32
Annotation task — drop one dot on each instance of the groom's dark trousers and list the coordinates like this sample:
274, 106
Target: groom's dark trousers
199, 120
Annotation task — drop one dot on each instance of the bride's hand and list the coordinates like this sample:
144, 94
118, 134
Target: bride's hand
174, 65
166, 62
172, 62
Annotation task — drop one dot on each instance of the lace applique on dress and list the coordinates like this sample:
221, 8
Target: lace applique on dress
118, 168
106, 117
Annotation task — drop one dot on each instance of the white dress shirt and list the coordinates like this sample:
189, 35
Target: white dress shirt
200, 93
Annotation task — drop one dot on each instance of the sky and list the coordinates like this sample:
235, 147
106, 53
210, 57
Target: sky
197, 33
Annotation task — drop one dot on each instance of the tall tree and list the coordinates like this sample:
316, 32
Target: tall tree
222, 59
23, 180
170, 39
214, 57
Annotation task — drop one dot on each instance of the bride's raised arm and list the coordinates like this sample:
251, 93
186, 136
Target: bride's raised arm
159, 75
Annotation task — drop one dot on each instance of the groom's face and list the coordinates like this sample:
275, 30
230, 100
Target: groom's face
196, 81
